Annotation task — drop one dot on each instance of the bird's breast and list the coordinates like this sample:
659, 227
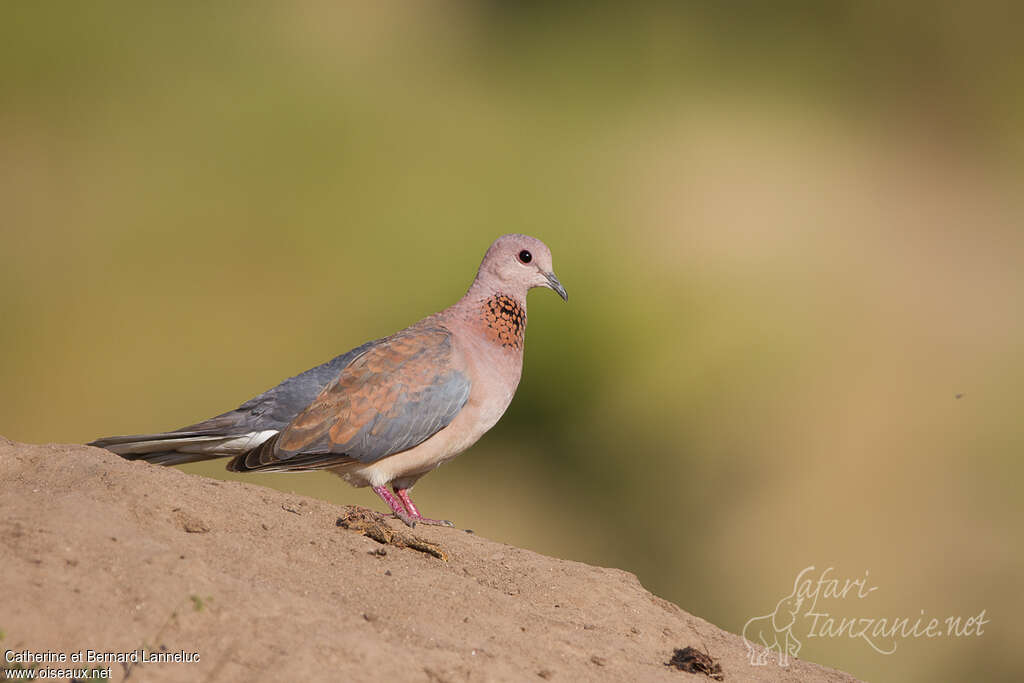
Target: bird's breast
495, 371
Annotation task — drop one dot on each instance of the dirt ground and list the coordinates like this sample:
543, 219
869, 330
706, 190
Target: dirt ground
103, 554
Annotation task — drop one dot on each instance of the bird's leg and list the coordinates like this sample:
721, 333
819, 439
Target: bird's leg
410, 506
396, 506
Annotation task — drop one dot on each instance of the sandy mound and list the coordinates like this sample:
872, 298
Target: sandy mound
115, 556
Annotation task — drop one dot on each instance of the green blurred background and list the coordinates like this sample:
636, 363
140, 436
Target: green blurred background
791, 232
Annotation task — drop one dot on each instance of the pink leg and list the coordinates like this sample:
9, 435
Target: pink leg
403, 494
395, 505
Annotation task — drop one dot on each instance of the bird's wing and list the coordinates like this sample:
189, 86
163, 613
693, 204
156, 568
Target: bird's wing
398, 393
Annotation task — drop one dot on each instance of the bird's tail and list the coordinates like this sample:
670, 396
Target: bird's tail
180, 447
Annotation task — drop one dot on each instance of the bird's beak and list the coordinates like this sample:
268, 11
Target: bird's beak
555, 285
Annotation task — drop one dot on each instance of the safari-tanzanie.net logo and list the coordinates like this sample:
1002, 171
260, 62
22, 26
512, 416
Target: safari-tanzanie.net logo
805, 612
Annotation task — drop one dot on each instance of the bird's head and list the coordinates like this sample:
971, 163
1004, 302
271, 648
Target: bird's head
516, 264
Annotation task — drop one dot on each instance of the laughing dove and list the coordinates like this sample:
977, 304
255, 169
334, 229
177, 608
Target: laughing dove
391, 410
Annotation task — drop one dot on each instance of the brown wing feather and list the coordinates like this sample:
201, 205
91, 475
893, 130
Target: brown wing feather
398, 393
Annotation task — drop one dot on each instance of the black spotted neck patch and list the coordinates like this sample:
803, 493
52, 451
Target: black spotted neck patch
504, 321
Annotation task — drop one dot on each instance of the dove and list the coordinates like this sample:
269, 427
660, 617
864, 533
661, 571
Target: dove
391, 410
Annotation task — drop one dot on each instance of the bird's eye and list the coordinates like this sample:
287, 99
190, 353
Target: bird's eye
525, 256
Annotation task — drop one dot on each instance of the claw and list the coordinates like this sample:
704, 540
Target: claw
435, 522
406, 519
414, 513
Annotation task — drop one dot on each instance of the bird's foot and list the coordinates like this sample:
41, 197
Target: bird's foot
397, 508
434, 522
413, 521
405, 518
414, 513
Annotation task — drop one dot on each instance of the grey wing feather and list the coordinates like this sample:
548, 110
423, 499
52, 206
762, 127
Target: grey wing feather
394, 397
219, 436
421, 416
277, 406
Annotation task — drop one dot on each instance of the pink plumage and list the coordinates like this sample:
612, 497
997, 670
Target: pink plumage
391, 410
